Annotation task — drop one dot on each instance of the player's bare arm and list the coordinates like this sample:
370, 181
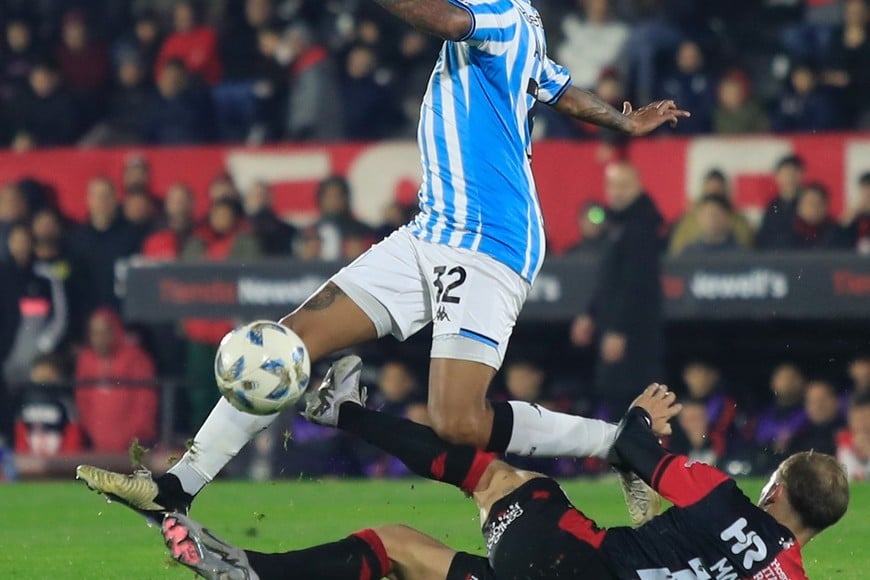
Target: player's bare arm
586, 106
437, 17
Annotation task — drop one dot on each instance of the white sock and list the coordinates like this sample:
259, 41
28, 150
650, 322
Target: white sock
221, 437
538, 431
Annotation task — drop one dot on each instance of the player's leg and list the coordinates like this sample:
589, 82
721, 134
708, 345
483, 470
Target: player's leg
476, 301
396, 551
346, 311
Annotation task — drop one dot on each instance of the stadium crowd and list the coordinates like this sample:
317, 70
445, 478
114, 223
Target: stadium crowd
97, 72
59, 323
163, 72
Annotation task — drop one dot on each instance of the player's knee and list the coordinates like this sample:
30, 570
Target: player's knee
459, 429
395, 538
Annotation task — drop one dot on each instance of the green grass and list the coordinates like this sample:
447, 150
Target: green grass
60, 530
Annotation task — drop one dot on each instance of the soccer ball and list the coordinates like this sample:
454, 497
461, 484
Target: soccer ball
262, 367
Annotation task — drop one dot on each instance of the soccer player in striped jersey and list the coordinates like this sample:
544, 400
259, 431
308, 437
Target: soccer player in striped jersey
465, 264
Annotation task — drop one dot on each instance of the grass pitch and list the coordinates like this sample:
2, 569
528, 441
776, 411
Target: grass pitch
62, 530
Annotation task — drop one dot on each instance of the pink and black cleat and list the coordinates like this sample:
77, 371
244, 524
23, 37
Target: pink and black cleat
206, 554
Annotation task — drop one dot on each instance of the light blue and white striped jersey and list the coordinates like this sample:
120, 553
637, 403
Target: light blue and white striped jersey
474, 135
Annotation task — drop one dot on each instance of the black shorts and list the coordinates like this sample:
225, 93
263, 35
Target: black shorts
535, 532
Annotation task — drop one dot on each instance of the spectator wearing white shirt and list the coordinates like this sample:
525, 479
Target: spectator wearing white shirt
591, 43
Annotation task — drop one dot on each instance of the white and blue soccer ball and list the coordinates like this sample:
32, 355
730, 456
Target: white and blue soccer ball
262, 367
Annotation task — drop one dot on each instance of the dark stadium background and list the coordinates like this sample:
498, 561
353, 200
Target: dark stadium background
245, 108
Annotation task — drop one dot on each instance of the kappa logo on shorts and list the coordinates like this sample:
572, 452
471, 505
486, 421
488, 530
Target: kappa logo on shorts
441, 315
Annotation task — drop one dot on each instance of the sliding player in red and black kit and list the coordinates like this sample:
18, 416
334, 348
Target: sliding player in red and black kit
531, 528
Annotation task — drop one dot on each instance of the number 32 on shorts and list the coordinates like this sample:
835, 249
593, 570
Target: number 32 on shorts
448, 281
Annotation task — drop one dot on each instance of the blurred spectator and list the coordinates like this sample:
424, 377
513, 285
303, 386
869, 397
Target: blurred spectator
626, 307
776, 225
524, 381
46, 423
13, 209
52, 254
592, 226
859, 227
847, 62
592, 43
853, 444
193, 43
222, 187
314, 109
116, 387
693, 87
341, 234
239, 49
822, 408
395, 216
45, 114
16, 59
274, 235
308, 246
692, 435
736, 111
137, 174
805, 106
859, 373
181, 111
84, 68
370, 109
141, 211
813, 228
144, 43
715, 230
781, 421
224, 237
168, 242
705, 386
103, 241
125, 123
687, 231
35, 307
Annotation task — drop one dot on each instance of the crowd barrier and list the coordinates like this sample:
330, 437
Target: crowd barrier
738, 286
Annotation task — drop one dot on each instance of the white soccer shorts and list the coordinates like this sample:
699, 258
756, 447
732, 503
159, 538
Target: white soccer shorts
473, 301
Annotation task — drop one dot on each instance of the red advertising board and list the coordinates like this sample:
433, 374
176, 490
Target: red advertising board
568, 174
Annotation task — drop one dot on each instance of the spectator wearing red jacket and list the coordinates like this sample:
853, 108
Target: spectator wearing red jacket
193, 43
115, 387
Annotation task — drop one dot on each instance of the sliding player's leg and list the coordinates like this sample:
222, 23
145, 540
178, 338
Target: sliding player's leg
395, 551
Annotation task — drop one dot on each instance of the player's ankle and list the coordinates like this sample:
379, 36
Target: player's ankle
171, 494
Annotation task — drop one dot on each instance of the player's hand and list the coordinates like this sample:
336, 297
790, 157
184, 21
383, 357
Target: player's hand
649, 118
582, 331
662, 406
613, 347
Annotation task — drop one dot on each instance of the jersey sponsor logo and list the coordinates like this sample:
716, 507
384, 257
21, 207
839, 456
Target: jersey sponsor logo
773, 572
501, 523
745, 542
741, 542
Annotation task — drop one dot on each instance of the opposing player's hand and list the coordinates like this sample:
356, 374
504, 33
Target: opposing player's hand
662, 406
649, 118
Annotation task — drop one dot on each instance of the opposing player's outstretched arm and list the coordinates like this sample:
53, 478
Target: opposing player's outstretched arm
637, 448
440, 18
588, 107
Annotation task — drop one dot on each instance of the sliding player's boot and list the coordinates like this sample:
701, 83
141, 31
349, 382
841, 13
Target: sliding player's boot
210, 557
340, 385
152, 498
642, 501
